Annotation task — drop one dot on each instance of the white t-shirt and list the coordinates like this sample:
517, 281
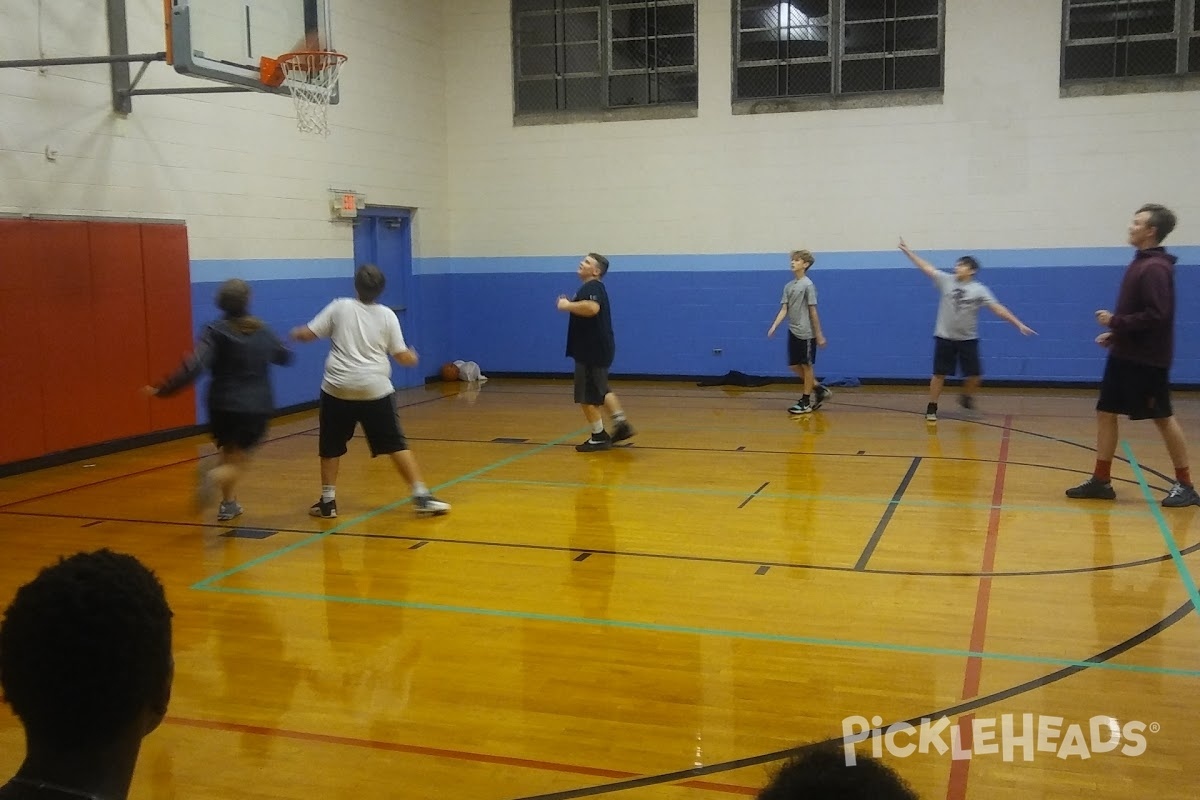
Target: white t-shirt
364, 336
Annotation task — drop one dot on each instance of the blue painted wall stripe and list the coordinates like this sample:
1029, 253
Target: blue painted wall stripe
669, 321
754, 262
270, 269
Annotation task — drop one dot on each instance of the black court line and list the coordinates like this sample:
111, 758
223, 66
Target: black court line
753, 495
1142, 562
1192, 548
508, 440
762, 570
419, 544
192, 460
881, 526
911, 412
582, 557
833, 454
93, 523
136, 473
1035, 434
952, 711
134, 521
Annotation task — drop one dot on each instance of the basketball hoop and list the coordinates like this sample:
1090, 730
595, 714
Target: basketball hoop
311, 76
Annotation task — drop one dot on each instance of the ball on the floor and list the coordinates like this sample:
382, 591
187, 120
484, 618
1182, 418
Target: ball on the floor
449, 371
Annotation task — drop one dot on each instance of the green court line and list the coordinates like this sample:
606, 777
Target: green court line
1062, 509
1163, 528
695, 631
207, 583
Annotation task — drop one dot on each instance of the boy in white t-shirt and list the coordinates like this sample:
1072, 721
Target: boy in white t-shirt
357, 388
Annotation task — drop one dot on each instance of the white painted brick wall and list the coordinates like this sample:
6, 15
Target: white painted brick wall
1004, 162
233, 166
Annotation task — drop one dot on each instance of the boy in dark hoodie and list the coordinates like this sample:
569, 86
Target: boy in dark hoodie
1140, 337
238, 350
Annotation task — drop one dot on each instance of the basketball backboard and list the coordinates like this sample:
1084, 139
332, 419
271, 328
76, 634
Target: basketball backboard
223, 40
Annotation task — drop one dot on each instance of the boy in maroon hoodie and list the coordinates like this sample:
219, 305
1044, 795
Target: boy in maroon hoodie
1140, 338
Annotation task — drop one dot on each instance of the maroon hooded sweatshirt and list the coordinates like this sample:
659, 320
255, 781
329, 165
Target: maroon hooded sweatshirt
1143, 323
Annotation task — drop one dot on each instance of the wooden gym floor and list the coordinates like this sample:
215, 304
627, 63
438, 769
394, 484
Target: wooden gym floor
664, 620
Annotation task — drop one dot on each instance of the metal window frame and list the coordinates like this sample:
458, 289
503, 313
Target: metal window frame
1185, 31
652, 98
837, 53
604, 43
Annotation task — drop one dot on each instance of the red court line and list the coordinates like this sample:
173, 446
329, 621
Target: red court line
438, 752
960, 769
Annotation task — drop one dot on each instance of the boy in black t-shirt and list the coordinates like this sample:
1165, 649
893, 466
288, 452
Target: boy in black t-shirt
590, 342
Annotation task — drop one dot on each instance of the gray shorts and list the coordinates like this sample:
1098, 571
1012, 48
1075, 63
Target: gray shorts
591, 384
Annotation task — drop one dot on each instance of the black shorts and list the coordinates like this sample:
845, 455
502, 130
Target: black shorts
379, 422
1138, 391
950, 354
591, 384
236, 429
801, 352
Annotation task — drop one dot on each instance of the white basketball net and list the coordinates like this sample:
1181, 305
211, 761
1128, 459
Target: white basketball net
312, 77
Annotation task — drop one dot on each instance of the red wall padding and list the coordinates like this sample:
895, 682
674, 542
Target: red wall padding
21, 414
168, 319
68, 354
119, 329
89, 312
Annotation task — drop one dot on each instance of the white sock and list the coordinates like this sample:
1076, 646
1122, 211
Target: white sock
420, 489
598, 427
327, 494
618, 416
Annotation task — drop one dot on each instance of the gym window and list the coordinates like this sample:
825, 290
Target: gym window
596, 55
1107, 40
836, 48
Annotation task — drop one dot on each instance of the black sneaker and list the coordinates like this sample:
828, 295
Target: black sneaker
429, 505
931, 412
967, 402
597, 441
622, 431
1092, 489
822, 394
1181, 496
325, 509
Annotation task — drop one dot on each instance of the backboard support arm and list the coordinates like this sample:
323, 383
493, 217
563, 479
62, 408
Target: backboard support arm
123, 87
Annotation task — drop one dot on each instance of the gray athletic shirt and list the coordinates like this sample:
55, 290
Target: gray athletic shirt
798, 295
958, 312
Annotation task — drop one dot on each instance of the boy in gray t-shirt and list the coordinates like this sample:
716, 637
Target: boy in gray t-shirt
799, 306
956, 333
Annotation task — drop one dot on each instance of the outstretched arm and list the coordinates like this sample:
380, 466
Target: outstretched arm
200, 360
1004, 314
280, 354
922, 264
302, 333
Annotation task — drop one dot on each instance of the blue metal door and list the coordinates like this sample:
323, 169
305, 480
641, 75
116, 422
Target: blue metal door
383, 237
